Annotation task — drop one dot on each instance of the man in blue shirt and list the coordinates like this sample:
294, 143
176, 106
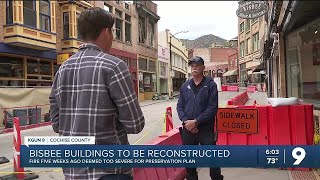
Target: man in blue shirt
197, 107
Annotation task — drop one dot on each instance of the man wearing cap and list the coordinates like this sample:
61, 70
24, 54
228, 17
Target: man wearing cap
197, 107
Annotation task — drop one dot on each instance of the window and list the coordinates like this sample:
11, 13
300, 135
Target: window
255, 42
128, 18
127, 28
243, 73
143, 64
142, 30
183, 65
44, 14
149, 83
254, 20
11, 67
241, 27
247, 46
107, 8
151, 34
179, 62
247, 25
163, 69
118, 29
126, 5
29, 13
118, 13
241, 49
128, 32
77, 16
9, 12
152, 66
45, 68
303, 64
66, 25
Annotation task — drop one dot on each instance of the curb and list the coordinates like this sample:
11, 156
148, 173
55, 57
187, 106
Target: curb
156, 102
9, 130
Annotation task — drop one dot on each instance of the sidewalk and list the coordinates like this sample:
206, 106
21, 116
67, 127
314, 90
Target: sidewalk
142, 104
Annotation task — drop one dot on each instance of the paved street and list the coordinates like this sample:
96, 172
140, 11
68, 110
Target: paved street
153, 128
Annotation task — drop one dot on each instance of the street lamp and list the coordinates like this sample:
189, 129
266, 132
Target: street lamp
171, 69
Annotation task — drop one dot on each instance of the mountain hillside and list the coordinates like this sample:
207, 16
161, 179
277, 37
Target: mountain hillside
205, 41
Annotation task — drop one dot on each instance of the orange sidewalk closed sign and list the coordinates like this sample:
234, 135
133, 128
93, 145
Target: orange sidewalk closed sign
237, 120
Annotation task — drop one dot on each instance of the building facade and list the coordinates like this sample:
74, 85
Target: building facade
251, 40
28, 42
219, 58
178, 68
232, 73
163, 69
37, 36
293, 61
147, 48
125, 36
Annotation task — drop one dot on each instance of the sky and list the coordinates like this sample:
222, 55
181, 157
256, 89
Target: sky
198, 18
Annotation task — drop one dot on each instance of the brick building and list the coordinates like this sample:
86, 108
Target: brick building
136, 42
232, 75
219, 58
215, 59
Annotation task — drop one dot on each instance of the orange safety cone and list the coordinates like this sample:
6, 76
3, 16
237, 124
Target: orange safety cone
169, 122
19, 172
16, 149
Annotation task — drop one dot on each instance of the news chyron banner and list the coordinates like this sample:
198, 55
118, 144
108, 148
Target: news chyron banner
64, 152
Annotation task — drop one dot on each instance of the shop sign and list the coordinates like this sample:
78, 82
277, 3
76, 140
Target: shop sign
237, 120
252, 9
62, 58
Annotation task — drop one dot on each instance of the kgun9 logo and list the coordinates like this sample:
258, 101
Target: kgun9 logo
298, 154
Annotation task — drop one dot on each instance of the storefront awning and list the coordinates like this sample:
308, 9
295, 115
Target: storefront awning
259, 68
231, 73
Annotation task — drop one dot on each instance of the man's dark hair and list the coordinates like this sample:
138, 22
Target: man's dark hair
92, 21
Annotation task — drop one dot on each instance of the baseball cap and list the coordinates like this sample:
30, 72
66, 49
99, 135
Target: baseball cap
196, 59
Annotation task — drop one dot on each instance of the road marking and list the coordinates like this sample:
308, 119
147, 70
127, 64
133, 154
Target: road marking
156, 123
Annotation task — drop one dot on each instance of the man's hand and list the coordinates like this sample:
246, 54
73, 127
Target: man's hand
190, 125
194, 130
